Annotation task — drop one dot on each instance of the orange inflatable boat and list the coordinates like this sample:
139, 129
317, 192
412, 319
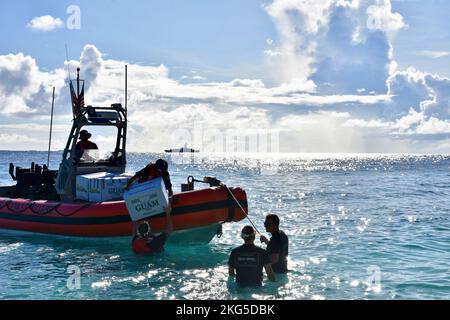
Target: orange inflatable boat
52, 206
190, 210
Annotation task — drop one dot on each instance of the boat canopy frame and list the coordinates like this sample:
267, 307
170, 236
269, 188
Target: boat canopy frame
89, 116
86, 119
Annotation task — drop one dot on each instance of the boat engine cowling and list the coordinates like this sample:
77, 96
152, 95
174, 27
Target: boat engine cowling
34, 183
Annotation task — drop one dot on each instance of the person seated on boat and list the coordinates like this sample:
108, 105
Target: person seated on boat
144, 241
278, 246
152, 171
83, 145
247, 261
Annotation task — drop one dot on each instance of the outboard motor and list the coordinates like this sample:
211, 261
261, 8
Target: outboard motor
35, 183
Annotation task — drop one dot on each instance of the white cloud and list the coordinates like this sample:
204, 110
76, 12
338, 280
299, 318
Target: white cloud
417, 123
199, 78
381, 17
196, 78
272, 53
366, 123
91, 61
433, 54
13, 138
421, 91
45, 23
23, 87
332, 43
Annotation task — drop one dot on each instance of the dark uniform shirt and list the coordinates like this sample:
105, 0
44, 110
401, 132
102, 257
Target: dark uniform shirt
82, 146
249, 260
144, 246
148, 173
279, 243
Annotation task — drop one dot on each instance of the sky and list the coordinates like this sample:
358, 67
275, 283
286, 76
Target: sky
351, 76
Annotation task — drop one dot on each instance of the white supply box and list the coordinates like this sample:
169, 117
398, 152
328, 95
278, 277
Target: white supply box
107, 188
101, 186
146, 199
82, 184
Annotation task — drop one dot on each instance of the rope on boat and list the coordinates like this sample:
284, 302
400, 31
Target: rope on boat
35, 208
87, 205
238, 203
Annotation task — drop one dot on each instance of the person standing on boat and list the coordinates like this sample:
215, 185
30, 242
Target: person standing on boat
144, 241
278, 246
84, 144
247, 261
152, 171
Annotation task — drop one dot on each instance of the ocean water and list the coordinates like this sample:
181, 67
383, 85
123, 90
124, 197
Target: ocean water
360, 227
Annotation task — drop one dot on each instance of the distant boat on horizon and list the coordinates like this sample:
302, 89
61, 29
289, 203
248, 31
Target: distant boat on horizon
184, 149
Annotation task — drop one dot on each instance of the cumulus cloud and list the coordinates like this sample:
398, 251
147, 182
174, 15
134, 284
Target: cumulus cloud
20, 81
23, 87
381, 17
419, 106
344, 48
420, 91
339, 45
45, 23
91, 62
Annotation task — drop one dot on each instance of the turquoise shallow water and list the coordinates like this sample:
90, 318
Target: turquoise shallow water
360, 227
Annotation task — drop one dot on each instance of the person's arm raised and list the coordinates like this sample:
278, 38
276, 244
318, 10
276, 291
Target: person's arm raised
130, 182
264, 239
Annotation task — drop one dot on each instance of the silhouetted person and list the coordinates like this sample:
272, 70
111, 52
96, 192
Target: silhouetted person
84, 144
278, 246
247, 261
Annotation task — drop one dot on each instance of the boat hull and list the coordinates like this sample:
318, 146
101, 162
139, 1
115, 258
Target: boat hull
193, 209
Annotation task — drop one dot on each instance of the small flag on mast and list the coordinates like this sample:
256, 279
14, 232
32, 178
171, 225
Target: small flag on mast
77, 101
81, 97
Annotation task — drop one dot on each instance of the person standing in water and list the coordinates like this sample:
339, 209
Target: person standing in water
145, 242
278, 245
247, 261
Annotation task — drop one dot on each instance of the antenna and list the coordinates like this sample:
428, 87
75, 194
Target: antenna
68, 62
78, 82
126, 88
51, 128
